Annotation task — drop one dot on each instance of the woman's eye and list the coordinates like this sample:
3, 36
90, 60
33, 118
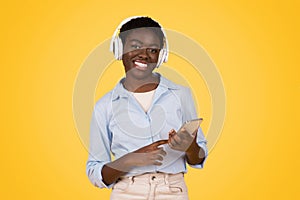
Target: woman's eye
153, 50
135, 46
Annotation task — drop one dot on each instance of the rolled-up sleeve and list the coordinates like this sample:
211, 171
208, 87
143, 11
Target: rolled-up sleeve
190, 114
99, 147
201, 141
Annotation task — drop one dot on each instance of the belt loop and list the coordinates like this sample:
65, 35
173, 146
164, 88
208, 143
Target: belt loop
132, 179
167, 179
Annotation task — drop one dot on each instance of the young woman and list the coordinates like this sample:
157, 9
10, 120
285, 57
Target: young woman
135, 123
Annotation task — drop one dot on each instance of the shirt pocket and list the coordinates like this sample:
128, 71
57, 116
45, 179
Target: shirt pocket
173, 117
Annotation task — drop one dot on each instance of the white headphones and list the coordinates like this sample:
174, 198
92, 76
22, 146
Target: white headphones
116, 45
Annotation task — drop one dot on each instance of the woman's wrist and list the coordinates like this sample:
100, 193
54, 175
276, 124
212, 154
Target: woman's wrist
125, 163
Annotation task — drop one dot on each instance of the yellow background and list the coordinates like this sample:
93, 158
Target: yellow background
255, 45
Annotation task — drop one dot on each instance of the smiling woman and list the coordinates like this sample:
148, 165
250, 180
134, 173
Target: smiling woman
136, 120
141, 52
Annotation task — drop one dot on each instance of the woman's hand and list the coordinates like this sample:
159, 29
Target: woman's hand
181, 141
186, 142
151, 154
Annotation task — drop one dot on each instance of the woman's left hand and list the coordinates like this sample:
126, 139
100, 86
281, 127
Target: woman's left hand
181, 141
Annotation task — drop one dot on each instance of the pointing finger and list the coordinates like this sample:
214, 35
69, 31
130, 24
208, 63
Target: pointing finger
159, 142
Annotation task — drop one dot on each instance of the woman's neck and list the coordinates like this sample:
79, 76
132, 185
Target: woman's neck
143, 85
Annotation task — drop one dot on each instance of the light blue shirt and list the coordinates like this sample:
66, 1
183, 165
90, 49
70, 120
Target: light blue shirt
119, 126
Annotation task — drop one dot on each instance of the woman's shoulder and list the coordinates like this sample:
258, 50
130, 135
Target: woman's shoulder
175, 87
172, 84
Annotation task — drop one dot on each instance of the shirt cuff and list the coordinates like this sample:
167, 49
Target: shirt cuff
102, 184
201, 165
95, 175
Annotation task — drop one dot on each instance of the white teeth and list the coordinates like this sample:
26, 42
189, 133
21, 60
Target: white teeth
143, 65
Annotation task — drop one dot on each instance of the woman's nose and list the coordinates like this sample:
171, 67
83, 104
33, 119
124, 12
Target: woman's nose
143, 53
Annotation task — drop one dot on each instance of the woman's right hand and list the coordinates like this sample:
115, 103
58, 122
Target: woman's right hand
151, 154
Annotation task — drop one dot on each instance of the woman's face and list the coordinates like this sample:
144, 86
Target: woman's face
141, 51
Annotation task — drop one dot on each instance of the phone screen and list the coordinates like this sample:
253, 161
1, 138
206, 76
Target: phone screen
190, 126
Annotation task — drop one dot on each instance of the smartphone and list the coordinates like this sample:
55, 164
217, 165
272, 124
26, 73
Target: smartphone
190, 126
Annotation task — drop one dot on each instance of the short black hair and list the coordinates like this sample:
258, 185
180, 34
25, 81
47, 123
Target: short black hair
142, 22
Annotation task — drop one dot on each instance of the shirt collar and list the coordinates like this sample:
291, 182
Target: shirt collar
164, 84
167, 83
119, 91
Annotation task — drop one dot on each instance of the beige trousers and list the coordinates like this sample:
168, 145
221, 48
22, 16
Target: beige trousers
151, 186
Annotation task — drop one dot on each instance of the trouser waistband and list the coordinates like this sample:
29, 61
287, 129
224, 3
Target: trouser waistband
154, 177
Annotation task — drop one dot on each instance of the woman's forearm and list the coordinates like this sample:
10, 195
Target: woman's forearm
195, 154
112, 171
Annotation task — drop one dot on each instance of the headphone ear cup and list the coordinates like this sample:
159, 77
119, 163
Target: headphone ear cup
165, 57
117, 48
161, 57
120, 49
